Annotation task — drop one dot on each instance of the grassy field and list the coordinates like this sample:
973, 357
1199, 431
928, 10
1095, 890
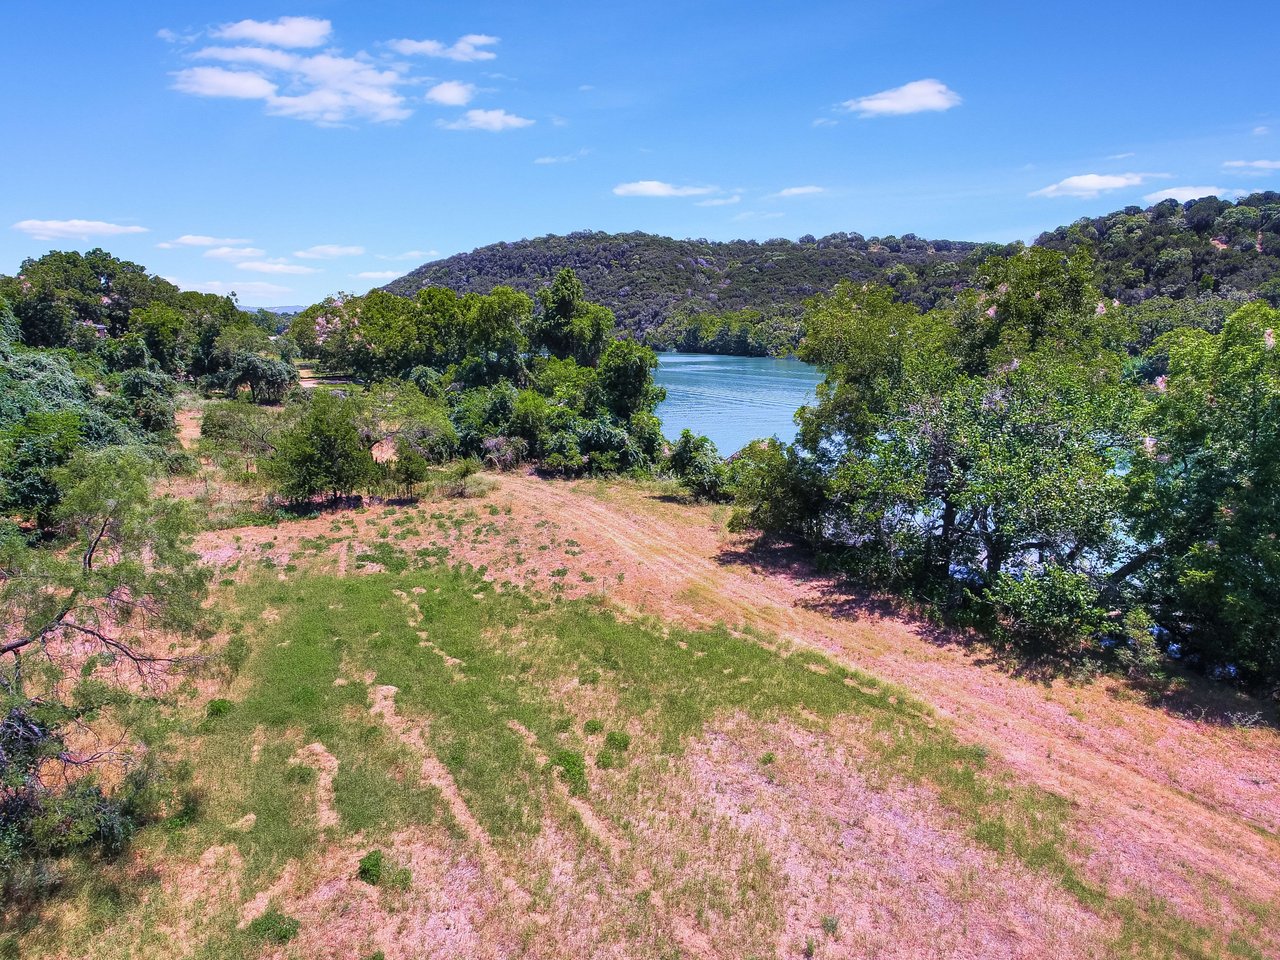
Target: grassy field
558, 722
543, 717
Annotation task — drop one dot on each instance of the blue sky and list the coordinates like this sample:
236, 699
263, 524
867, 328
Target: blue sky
288, 152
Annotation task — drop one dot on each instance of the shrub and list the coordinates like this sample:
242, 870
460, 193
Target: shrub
273, 927
617, 740
573, 770
697, 465
370, 870
592, 727
1047, 612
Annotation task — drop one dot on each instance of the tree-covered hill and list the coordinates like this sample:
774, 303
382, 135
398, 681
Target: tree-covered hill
1182, 250
645, 279
1171, 249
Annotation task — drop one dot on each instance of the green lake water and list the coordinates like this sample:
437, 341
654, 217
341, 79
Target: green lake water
733, 400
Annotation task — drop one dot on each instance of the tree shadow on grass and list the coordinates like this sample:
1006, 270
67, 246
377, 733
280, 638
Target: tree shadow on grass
1183, 693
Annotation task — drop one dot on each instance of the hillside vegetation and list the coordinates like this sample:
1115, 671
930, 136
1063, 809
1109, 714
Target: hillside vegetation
452, 653
669, 290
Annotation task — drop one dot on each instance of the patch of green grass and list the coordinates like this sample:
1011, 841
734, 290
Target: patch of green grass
617, 740
665, 682
572, 767
370, 869
273, 927
386, 555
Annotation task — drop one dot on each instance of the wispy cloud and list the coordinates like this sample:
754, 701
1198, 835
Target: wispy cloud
250, 288
200, 240
410, 255
74, 229
220, 82
377, 275
275, 266
720, 201
806, 191
1183, 194
467, 49
757, 215
1261, 131
1092, 184
328, 251
1253, 166
285, 32
330, 89
566, 158
658, 188
492, 120
234, 253
452, 93
268, 61
826, 122
1121, 156
919, 96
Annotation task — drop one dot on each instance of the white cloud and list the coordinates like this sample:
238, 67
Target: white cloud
219, 82
491, 120
919, 96
1261, 131
807, 191
285, 32
250, 288
324, 88
410, 255
1183, 194
328, 251
233, 253
657, 188
452, 93
173, 36
585, 87
258, 56
466, 49
199, 240
1092, 184
275, 266
825, 122
566, 158
720, 201
1120, 156
1253, 166
73, 229
377, 275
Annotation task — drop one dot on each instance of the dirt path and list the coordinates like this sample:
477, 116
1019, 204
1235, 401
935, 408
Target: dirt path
1163, 803
188, 426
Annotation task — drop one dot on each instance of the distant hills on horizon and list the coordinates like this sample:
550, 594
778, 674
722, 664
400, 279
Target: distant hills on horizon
1170, 249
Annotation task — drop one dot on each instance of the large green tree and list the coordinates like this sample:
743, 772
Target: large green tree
323, 452
1206, 495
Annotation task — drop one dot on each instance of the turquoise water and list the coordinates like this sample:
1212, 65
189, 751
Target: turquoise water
733, 400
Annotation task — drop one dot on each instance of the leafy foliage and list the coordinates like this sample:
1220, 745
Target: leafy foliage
70, 619
746, 297
553, 385
1008, 457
